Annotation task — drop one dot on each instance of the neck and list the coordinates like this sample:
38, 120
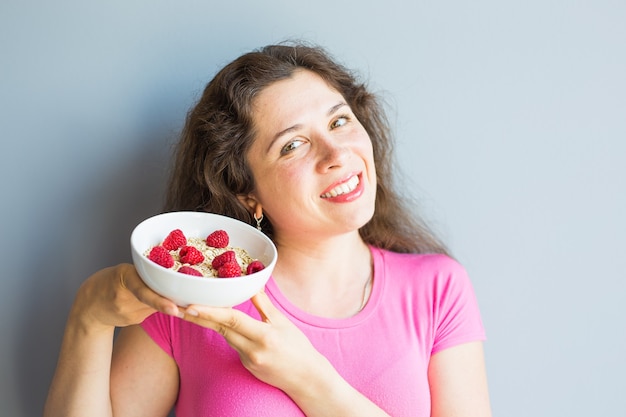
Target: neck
326, 277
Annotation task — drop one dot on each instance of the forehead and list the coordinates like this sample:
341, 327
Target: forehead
292, 98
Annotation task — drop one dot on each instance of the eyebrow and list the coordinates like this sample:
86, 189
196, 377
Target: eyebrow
297, 126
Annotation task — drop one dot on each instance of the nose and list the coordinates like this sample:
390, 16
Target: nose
331, 153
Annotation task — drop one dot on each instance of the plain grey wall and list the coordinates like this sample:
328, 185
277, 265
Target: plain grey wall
511, 122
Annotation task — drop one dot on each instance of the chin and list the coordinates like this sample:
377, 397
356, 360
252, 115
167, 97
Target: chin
362, 218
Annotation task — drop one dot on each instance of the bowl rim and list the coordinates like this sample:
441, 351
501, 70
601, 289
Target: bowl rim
143, 223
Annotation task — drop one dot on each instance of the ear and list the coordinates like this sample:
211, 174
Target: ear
249, 201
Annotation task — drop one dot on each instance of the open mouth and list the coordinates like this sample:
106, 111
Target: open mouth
343, 188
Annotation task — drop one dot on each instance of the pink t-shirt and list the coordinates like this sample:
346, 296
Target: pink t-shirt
419, 305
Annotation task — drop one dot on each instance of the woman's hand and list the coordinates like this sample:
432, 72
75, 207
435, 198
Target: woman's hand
273, 349
117, 297
112, 297
278, 353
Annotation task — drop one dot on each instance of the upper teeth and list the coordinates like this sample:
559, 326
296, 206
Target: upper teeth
346, 187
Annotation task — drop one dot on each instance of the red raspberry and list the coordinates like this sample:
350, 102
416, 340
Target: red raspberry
161, 256
254, 266
189, 271
221, 259
190, 255
217, 239
229, 270
174, 240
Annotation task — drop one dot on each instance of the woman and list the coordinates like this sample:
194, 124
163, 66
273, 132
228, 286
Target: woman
365, 314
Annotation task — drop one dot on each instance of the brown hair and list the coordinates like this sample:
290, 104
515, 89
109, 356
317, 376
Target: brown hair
210, 167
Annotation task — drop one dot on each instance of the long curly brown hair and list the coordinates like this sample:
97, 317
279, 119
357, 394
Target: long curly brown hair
210, 169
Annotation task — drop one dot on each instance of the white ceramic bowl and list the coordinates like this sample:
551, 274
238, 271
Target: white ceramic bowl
186, 289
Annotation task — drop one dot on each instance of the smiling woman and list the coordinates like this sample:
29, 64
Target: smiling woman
286, 138
307, 167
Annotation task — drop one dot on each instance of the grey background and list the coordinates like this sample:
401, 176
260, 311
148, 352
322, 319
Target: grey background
511, 123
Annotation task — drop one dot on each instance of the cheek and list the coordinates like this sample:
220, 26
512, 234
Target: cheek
281, 195
363, 138
279, 184
367, 150
366, 147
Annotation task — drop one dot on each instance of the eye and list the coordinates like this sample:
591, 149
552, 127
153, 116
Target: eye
291, 146
339, 121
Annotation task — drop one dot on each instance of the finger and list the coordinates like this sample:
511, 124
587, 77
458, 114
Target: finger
131, 280
231, 332
225, 321
269, 313
158, 303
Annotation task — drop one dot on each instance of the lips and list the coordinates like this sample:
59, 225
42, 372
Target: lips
344, 188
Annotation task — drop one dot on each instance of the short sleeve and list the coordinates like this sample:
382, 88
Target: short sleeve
159, 327
456, 313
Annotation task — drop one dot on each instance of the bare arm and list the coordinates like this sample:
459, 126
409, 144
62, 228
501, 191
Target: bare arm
81, 380
140, 369
458, 382
112, 297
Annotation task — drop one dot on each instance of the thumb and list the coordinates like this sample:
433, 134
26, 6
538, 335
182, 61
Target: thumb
264, 306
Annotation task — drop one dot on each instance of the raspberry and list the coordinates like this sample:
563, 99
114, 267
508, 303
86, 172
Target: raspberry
189, 271
229, 270
254, 266
161, 256
221, 259
174, 240
190, 255
217, 239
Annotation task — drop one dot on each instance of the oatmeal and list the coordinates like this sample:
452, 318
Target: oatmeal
199, 256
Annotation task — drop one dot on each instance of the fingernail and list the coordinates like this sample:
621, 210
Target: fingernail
192, 312
174, 312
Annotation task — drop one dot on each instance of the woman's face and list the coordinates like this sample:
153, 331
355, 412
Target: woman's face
312, 160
